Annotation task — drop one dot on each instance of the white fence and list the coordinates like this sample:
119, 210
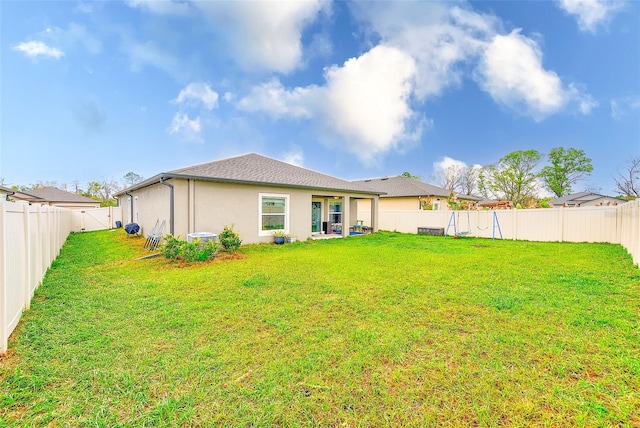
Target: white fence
95, 219
30, 239
616, 225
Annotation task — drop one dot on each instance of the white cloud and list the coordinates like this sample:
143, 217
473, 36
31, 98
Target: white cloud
294, 156
446, 41
272, 97
85, 7
161, 7
440, 38
446, 163
197, 92
364, 107
621, 107
196, 98
367, 101
264, 35
35, 48
74, 35
511, 71
186, 129
145, 54
591, 13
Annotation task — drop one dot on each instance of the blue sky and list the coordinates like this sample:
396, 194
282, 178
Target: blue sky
93, 90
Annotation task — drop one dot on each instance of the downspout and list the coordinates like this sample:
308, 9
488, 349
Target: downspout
8, 195
131, 199
170, 203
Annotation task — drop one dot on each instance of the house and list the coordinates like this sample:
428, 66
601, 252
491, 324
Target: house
404, 193
55, 197
5, 192
493, 204
256, 194
585, 199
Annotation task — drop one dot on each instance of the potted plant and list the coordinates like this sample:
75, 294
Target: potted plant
278, 236
290, 238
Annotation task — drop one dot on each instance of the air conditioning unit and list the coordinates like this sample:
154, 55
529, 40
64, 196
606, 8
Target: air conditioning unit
203, 236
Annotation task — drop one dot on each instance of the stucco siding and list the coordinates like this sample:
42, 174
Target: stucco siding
402, 203
204, 206
217, 205
149, 204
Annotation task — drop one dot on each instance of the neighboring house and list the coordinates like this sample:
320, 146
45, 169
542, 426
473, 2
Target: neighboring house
403, 193
256, 194
55, 197
585, 199
493, 204
5, 192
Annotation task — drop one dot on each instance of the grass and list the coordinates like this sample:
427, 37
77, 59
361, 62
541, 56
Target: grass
376, 330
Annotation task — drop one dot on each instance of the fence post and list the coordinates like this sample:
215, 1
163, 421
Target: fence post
562, 211
38, 259
3, 281
27, 257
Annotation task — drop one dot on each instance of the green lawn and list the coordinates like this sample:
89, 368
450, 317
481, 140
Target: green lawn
376, 330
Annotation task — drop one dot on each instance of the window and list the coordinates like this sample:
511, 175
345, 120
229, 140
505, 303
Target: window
274, 213
335, 216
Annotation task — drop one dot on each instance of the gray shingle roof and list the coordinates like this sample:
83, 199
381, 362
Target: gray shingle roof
261, 170
404, 186
576, 198
52, 194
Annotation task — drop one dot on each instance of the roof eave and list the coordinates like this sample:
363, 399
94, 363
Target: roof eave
156, 179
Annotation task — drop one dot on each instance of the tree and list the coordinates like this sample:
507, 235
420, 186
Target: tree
512, 178
628, 181
107, 189
76, 187
132, 178
567, 167
469, 182
93, 190
451, 177
409, 175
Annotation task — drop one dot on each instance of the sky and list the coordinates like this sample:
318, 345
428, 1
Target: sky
90, 91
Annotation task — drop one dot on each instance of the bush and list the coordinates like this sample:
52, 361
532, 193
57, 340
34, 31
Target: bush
230, 240
171, 247
195, 251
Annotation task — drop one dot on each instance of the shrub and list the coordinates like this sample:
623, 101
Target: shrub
197, 251
230, 240
174, 248
171, 247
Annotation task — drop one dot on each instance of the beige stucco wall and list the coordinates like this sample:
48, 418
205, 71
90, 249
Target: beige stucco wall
202, 206
400, 203
404, 203
149, 204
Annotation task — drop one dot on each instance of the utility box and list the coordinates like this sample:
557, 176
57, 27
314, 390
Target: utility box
202, 236
436, 231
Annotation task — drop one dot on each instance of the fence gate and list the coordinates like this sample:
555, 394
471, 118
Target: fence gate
95, 219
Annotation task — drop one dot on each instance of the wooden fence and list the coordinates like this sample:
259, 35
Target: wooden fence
616, 224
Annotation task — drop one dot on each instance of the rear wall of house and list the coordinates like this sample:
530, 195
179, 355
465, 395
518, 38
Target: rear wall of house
202, 206
215, 205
